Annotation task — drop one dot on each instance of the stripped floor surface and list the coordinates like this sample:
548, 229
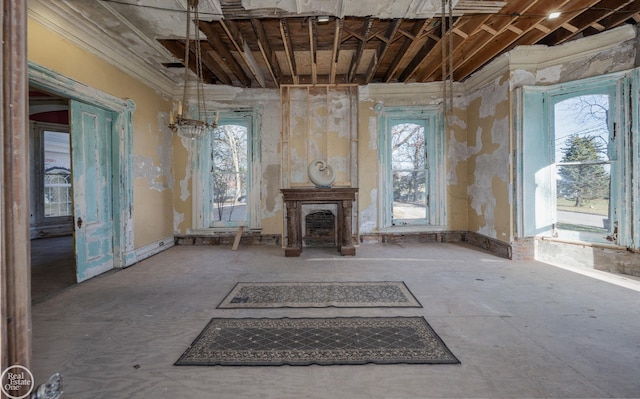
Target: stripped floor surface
519, 329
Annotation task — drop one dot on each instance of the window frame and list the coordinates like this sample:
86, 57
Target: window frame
38, 131
435, 169
536, 208
202, 197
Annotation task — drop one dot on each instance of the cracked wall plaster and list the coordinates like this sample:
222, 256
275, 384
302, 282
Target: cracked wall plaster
456, 150
489, 166
158, 175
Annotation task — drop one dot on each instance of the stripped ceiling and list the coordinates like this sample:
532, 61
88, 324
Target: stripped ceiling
268, 43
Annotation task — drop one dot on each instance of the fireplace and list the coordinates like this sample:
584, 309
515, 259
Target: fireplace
319, 226
337, 200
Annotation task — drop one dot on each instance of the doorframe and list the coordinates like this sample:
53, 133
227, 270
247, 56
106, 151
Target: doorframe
121, 151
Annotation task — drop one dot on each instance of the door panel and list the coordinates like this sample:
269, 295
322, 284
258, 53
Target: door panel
91, 129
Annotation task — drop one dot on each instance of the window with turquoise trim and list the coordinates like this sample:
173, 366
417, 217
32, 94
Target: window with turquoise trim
411, 155
577, 156
227, 172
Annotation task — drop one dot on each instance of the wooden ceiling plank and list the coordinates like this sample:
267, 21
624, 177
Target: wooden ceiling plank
407, 47
472, 23
312, 50
392, 29
211, 60
355, 60
336, 49
243, 49
621, 14
288, 49
177, 47
478, 51
218, 46
267, 53
591, 14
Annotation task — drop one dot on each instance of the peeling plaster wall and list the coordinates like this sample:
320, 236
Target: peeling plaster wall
488, 160
596, 55
317, 124
153, 184
398, 95
227, 98
489, 119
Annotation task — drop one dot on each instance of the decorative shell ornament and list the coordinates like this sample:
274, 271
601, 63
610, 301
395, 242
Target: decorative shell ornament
321, 173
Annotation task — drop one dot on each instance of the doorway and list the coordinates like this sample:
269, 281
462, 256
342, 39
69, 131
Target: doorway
53, 258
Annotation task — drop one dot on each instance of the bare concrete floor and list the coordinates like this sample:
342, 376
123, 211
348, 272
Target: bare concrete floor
520, 329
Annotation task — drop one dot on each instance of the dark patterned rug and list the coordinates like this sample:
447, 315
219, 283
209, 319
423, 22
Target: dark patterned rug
323, 341
320, 295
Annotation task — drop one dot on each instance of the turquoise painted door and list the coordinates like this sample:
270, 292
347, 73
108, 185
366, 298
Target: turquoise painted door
91, 129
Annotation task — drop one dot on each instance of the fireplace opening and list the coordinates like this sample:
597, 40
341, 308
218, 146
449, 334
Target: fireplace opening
320, 229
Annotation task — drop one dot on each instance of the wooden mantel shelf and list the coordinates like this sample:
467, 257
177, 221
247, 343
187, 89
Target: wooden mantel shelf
294, 198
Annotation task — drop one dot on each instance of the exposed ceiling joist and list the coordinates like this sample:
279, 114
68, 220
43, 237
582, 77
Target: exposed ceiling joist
267, 43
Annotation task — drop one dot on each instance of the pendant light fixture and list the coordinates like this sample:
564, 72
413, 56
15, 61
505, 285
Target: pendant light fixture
185, 123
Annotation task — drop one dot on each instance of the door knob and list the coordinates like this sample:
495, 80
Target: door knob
79, 222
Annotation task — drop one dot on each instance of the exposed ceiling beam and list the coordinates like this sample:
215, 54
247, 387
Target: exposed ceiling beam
335, 52
383, 48
312, 50
407, 48
243, 49
268, 55
219, 47
357, 57
288, 50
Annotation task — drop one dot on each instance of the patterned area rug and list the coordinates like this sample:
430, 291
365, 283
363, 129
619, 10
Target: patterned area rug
320, 295
323, 341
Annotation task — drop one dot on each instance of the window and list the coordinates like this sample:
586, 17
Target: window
573, 184
57, 175
228, 157
51, 198
583, 137
411, 153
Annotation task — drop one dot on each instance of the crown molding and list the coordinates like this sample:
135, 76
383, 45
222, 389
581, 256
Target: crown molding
62, 19
536, 57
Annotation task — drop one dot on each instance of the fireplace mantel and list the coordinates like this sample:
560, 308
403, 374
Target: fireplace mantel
294, 198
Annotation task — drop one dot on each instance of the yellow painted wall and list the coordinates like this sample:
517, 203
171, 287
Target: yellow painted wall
153, 184
489, 159
368, 162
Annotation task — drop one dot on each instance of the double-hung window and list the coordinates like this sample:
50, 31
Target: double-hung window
227, 169
412, 170
575, 157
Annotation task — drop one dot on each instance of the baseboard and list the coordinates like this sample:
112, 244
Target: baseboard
496, 247
228, 238
154, 248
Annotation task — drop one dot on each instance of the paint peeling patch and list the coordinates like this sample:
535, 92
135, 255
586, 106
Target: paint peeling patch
521, 78
178, 219
457, 152
549, 75
184, 183
488, 167
492, 95
270, 178
144, 168
373, 133
368, 216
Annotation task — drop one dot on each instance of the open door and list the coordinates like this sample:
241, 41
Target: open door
91, 130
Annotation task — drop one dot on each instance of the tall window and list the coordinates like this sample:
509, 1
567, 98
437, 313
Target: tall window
409, 172
228, 159
412, 152
229, 169
57, 174
575, 157
583, 137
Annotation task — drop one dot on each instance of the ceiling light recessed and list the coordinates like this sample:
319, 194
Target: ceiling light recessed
553, 15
